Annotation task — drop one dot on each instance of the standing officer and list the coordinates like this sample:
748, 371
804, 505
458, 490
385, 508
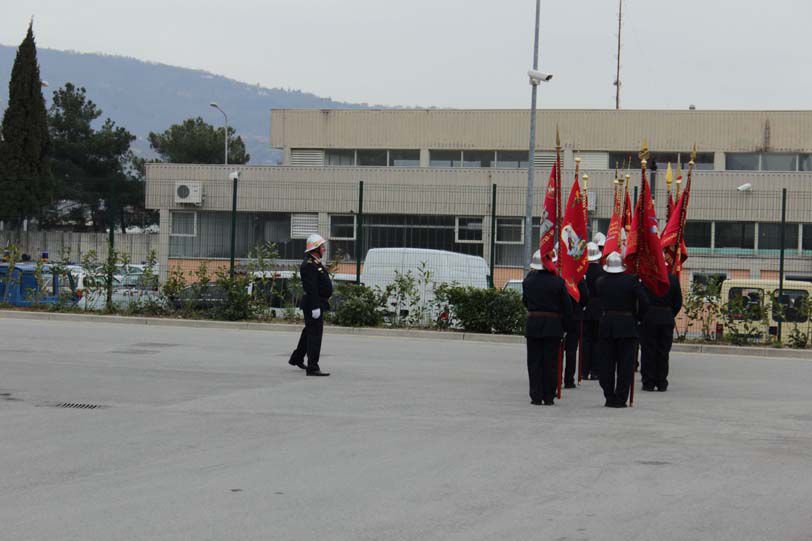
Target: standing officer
318, 288
548, 304
592, 315
573, 339
624, 302
657, 335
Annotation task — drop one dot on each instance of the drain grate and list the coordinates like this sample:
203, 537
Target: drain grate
78, 405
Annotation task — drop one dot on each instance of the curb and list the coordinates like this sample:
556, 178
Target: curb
709, 349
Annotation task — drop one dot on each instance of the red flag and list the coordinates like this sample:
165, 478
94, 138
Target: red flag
669, 206
675, 229
572, 245
627, 219
549, 216
613, 233
644, 256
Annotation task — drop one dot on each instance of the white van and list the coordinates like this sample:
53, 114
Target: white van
440, 266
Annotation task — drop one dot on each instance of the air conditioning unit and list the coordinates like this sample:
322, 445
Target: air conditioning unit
188, 193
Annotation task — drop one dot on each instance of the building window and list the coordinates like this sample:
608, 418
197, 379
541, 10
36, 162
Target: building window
766, 161
404, 158
510, 230
183, 224
698, 234
735, 235
769, 236
469, 230
339, 157
511, 159
342, 227
806, 242
704, 160
372, 158
445, 158
779, 162
477, 158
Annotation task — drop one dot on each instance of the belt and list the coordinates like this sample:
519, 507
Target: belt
617, 313
544, 314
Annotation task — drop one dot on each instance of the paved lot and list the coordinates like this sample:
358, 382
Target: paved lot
208, 434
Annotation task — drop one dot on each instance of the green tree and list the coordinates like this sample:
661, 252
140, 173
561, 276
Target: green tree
26, 184
195, 141
91, 164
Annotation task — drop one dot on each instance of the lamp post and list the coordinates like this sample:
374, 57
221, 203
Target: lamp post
214, 104
536, 78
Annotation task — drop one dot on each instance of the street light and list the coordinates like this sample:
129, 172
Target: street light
214, 104
536, 78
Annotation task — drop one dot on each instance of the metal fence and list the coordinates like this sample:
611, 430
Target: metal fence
748, 249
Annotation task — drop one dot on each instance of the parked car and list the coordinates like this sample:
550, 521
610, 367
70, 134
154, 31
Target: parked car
749, 302
200, 297
20, 287
273, 289
514, 285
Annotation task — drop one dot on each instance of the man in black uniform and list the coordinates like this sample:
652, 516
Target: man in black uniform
657, 335
592, 315
573, 339
318, 288
548, 304
624, 302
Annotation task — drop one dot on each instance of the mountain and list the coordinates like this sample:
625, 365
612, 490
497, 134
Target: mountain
145, 96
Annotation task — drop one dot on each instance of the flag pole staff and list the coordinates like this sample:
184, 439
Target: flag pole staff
643, 162
669, 180
678, 259
581, 333
556, 243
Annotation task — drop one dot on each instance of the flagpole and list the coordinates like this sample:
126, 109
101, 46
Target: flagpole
557, 239
669, 180
586, 221
678, 258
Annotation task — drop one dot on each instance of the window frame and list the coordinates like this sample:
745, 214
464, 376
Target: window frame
172, 223
521, 221
457, 230
354, 226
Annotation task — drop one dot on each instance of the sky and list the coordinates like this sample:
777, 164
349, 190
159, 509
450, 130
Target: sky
714, 54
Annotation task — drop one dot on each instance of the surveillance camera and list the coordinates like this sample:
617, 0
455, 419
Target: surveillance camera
537, 77
234, 176
745, 187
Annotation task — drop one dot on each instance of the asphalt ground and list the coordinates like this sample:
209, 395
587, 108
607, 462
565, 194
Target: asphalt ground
209, 434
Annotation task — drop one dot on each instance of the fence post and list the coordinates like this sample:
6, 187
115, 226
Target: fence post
111, 242
359, 237
233, 225
493, 235
781, 260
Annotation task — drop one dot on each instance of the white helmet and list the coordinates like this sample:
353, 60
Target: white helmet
614, 264
599, 239
314, 241
535, 262
593, 253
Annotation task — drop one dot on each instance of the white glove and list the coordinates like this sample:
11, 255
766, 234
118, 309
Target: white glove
316, 313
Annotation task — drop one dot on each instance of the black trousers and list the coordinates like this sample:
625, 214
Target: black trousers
617, 369
589, 343
310, 342
571, 343
655, 347
542, 367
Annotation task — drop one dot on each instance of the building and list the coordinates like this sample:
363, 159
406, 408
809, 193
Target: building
430, 178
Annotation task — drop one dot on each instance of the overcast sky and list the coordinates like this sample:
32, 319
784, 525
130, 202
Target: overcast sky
738, 54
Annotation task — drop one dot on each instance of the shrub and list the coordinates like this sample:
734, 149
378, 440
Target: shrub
357, 306
484, 310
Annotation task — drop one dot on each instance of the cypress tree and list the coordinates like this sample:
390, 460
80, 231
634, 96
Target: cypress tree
26, 186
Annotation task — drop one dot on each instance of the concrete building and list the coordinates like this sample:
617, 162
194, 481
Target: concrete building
429, 178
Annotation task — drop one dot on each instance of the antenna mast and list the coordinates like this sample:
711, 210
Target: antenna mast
619, 29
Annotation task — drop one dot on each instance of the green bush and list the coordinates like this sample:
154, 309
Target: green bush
357, 306
483, 310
